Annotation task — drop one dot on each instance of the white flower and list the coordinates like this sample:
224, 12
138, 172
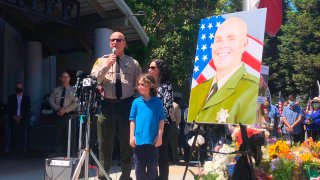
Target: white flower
199, 142
266, 134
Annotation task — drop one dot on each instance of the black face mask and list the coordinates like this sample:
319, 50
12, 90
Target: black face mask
19, 90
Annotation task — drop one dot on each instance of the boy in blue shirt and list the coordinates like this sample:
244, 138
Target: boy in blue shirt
146, 128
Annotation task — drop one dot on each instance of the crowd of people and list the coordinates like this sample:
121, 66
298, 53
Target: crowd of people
292, 122
149, 122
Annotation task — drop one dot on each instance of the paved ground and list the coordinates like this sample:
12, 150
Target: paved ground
34, 169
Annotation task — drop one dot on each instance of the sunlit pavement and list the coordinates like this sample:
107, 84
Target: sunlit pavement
34, 169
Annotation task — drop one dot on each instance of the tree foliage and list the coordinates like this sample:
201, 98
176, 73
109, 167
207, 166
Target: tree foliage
293, 55
172, 27
297, 68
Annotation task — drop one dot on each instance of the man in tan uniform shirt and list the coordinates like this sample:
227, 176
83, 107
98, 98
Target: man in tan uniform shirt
115, 109
64, 102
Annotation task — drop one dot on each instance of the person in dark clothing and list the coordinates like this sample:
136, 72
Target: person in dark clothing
159, 70
18, 108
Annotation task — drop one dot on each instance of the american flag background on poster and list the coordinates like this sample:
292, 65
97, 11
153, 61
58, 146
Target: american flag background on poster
204, 67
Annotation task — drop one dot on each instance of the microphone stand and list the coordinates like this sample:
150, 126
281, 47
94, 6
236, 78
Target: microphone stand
86, 152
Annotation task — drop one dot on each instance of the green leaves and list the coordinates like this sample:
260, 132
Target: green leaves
295, 62
209, 176
293, 55
172, 27
282, 168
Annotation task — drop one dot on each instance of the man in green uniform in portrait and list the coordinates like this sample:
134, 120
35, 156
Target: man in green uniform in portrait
231, 95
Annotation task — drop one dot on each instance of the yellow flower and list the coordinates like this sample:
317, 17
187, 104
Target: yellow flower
284, 149
272, 150
279, 149
306, 157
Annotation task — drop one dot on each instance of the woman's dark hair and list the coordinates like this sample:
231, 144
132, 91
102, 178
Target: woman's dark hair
163, 69
147, 78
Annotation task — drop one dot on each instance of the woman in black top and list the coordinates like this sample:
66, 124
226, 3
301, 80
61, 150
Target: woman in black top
159, 70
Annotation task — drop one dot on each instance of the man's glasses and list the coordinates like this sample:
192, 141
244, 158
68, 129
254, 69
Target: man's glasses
152, 67
118, 40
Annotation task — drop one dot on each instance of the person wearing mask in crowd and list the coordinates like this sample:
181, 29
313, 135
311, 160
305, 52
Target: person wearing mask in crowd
292, 120
63, 101
18, 109
159, 70
174, 133
118, 74
146, 128
312, 120
272, 119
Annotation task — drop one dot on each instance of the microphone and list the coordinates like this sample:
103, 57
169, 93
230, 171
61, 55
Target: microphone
79, 75
114, 50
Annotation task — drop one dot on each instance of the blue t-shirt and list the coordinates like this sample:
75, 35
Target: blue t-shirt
315, 125
291, 116
273, 115
147, 115
273, 112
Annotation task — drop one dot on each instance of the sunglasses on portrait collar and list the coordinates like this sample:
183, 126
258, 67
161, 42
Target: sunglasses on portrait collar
117, 40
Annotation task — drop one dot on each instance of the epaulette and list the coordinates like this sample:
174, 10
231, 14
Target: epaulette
126, 56
250, 77
205, 81
98, 62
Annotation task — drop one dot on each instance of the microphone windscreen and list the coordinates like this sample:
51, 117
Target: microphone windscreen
114, 50
79, 74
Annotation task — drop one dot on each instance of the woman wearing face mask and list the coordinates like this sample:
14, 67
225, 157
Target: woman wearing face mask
313, 120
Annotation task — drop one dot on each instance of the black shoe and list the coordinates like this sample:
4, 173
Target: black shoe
102, 178
126, 178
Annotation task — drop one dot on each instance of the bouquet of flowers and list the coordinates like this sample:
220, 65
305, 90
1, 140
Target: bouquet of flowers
280, 149
218, 160
313, 146
294, 162
282, 168
310, 165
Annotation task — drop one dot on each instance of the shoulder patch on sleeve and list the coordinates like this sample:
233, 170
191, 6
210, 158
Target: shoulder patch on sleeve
98, 62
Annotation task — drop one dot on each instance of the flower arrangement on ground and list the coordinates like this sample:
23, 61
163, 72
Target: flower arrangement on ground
294, 162
313, 146
282, 168
219, 162
277, 159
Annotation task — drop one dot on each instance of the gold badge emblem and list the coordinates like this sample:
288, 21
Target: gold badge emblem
222, 115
